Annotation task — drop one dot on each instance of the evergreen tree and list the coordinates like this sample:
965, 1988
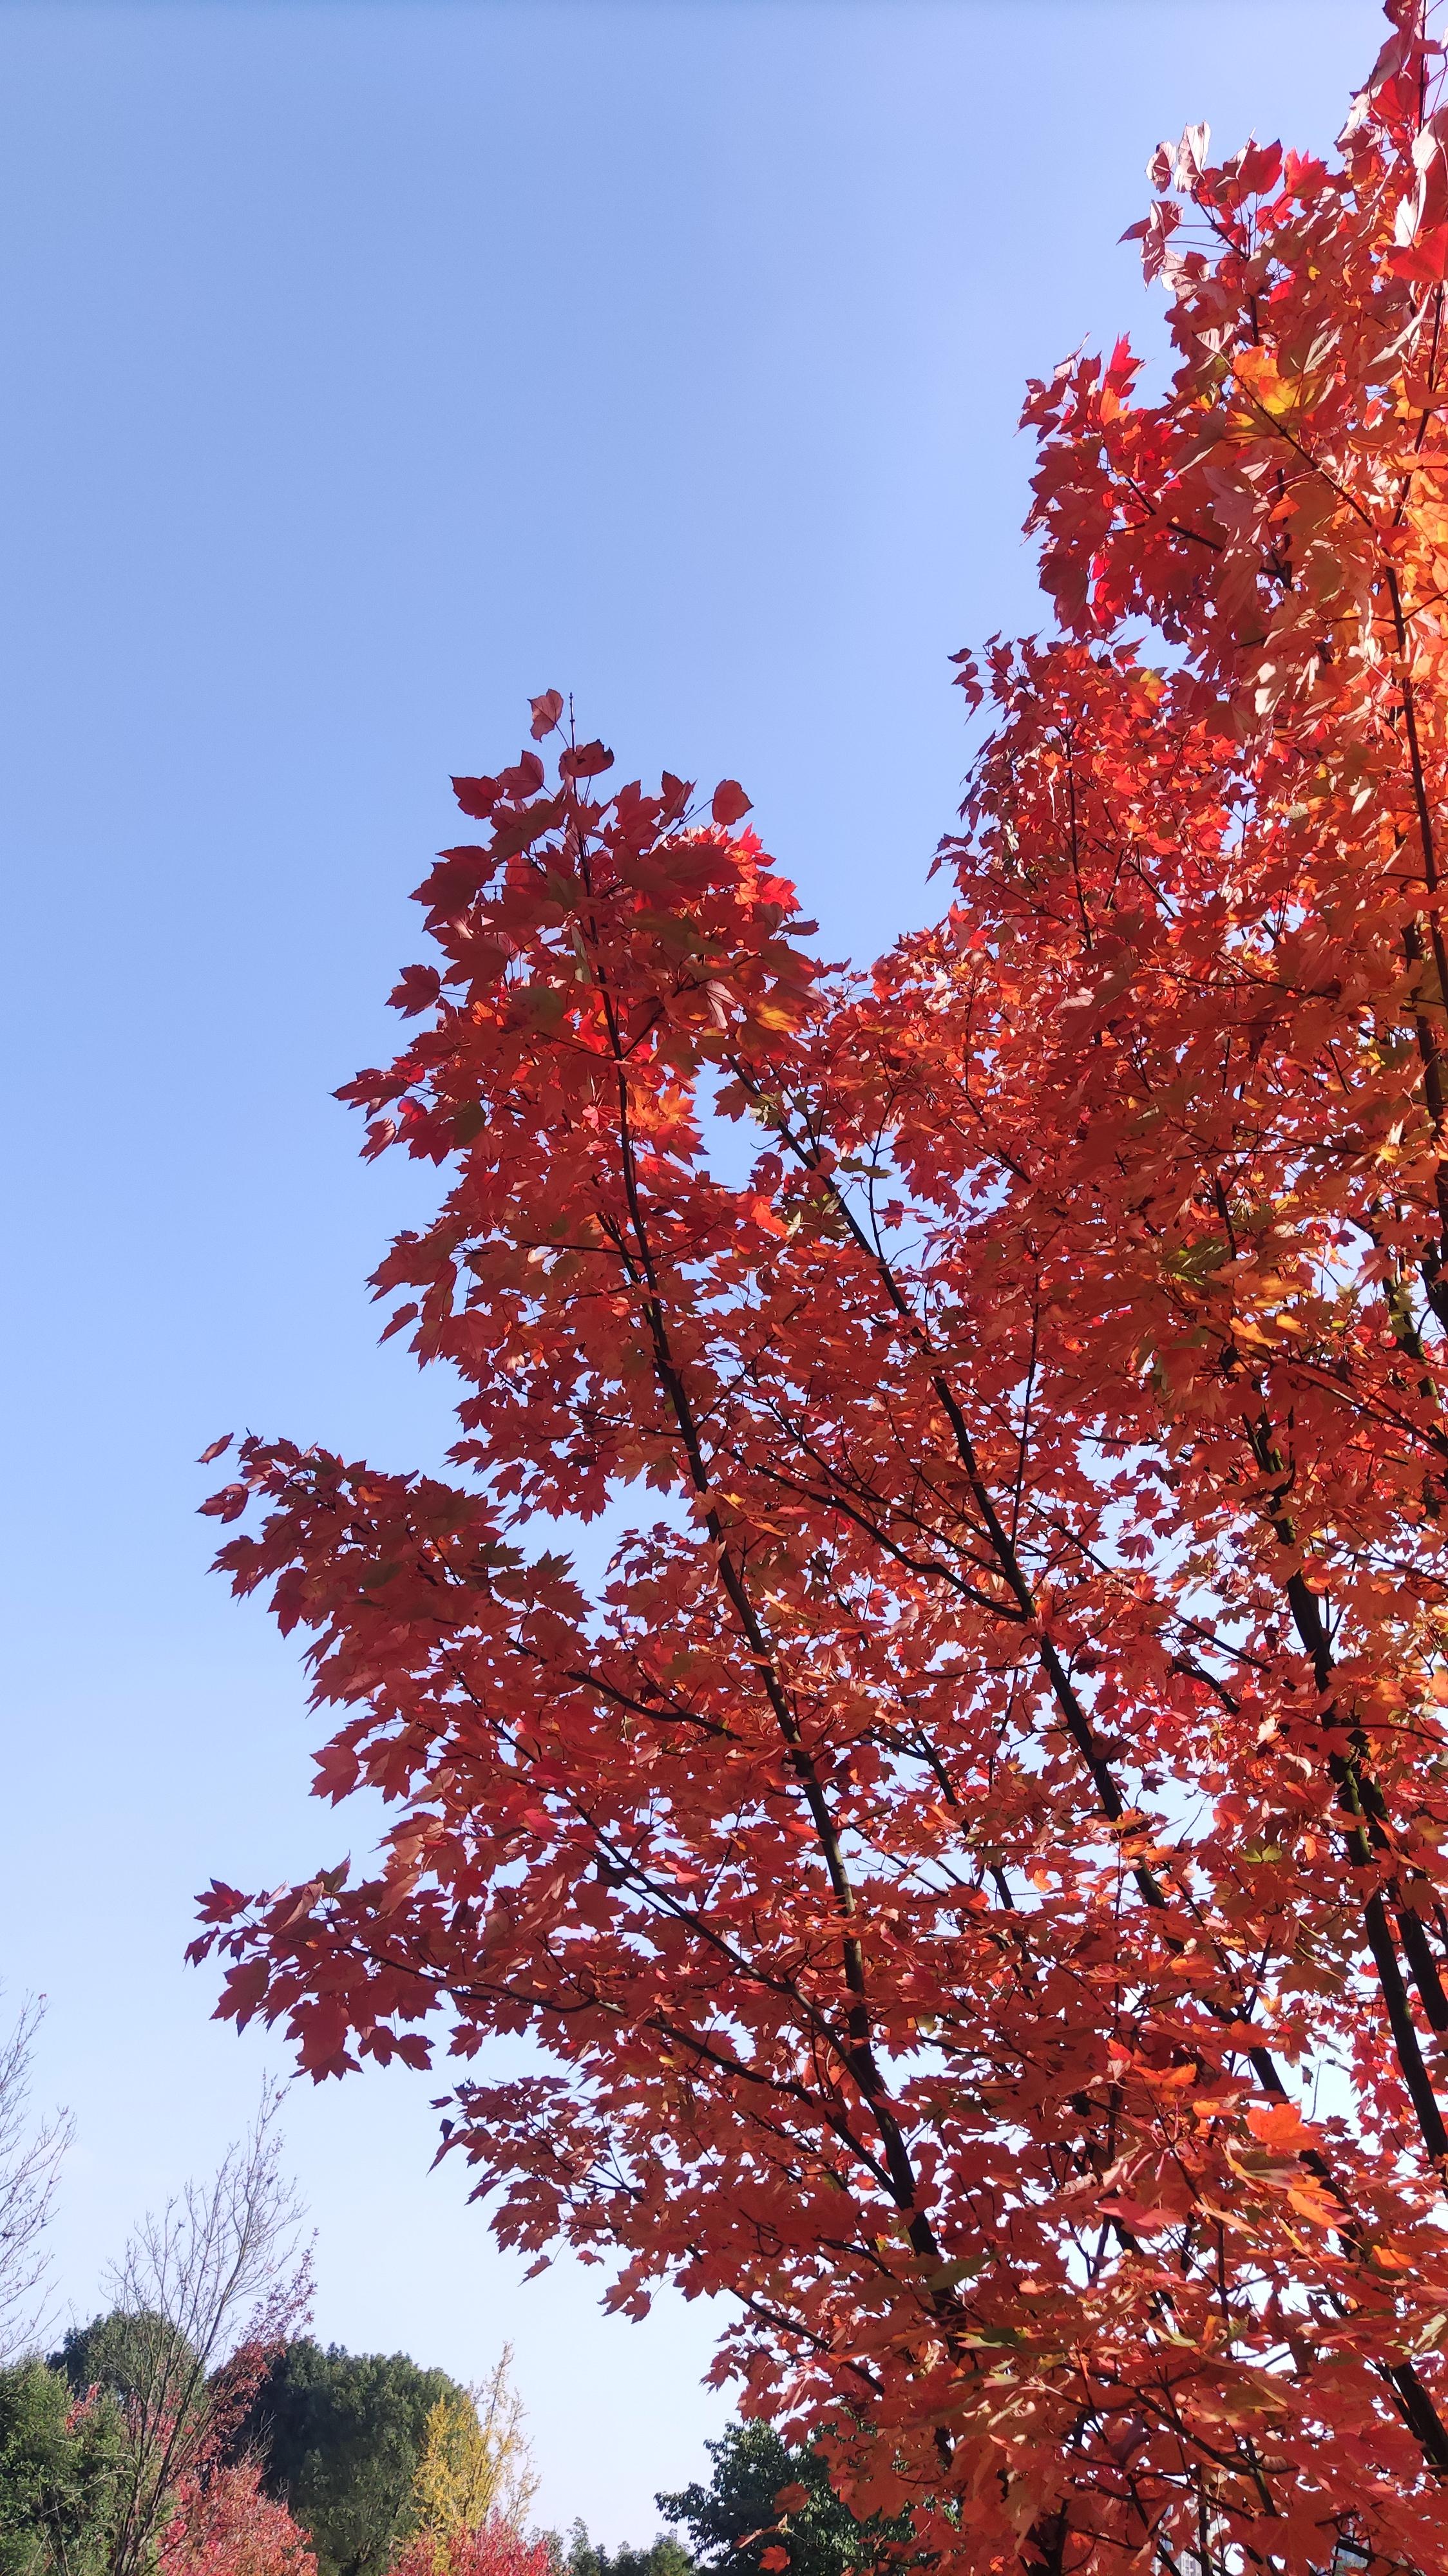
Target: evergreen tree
342, 2434
120, 2354
61, 2464
664, 2556
736, 2518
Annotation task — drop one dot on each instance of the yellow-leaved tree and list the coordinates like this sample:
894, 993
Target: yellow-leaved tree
476, 2464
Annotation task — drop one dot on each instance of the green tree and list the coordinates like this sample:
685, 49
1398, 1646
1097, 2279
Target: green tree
584, 2557
121, 2354
735, 2518
341, 2434
61, 2470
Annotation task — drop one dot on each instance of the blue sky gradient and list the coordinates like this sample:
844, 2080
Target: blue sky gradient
368, 368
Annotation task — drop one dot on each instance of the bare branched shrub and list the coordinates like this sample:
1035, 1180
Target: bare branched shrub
201, 2295
30, 2158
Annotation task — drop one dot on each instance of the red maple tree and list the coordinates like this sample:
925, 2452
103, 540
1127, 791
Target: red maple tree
976, 1865
224, 2524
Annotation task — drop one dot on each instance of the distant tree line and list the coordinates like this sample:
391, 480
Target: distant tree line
191, 2429
349, 2449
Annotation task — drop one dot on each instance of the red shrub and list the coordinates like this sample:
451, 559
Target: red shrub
494, 2549
227, 2526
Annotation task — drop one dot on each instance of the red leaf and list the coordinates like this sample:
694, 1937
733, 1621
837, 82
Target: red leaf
967, 676
216, 1448
523, 779
1260, 168
730, 804
588, 760
526, 826
416, 990
477, 796
546, 712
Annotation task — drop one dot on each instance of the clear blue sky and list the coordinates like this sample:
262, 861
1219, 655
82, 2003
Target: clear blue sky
365, 369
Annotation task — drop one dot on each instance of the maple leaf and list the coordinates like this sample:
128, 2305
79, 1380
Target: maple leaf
416, 989
477, 796
729, 804
584, 760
